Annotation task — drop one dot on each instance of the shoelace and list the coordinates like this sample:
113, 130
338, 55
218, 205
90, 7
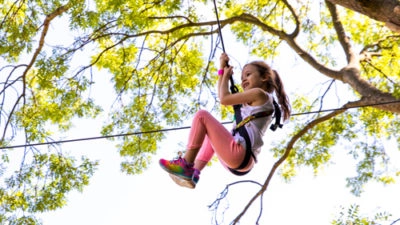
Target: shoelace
177, 161
181, 160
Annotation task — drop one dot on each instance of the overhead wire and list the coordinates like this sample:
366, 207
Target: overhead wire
178, 128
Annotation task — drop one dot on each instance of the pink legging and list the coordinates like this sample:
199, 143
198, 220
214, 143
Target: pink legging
211, 137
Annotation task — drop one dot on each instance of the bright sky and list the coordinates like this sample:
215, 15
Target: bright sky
152, 198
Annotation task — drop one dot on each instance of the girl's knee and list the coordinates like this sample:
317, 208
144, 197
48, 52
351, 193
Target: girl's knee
202, 114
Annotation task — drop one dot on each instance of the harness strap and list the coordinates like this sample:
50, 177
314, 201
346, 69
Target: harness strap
278, 115
252, 117
243, 132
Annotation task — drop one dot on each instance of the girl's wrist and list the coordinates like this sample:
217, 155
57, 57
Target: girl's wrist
220, 72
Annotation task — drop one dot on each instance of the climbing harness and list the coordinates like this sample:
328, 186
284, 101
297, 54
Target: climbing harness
250, 118
240, 128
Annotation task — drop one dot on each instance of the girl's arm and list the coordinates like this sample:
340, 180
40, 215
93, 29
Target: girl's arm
223, 86
253, 96
223, 62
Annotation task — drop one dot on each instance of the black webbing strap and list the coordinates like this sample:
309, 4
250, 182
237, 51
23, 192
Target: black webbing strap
252, 117
243, 132
278, 115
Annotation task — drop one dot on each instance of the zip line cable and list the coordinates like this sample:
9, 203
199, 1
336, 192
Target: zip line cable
176, 128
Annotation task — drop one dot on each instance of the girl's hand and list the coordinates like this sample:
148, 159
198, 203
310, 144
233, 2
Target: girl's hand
223, 59
228, 71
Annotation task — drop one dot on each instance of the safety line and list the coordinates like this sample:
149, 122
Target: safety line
177, 128
219, 26
232, 87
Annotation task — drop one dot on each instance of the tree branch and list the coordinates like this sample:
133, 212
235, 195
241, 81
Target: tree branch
387, 11
45, 25
341, 34
289, 148
21, 96
290, 40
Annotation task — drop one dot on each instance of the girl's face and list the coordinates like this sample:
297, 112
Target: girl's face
251, 78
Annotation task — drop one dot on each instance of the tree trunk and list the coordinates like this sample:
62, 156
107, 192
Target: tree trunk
387, 11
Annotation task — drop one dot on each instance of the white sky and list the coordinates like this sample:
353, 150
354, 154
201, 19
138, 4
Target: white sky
152, 198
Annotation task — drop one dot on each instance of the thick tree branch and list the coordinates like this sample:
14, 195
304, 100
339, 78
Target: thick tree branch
290, 40
289, 148
341, 34
349, 74
387, 11
369, 93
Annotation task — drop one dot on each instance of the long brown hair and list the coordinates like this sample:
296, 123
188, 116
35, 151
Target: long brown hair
273, 83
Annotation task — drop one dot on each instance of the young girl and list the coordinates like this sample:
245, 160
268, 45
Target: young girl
207, 136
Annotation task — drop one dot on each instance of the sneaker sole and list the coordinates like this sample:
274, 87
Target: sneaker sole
179, 179
182, 181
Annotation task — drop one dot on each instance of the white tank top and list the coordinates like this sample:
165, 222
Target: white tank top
257, 127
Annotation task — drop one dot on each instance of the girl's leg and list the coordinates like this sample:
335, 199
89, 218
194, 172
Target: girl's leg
209, 135
204, 155
225, 146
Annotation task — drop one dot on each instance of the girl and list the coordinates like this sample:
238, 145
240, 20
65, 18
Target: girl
207, 136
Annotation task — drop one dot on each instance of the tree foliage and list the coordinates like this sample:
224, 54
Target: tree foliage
159, 54
352, 216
